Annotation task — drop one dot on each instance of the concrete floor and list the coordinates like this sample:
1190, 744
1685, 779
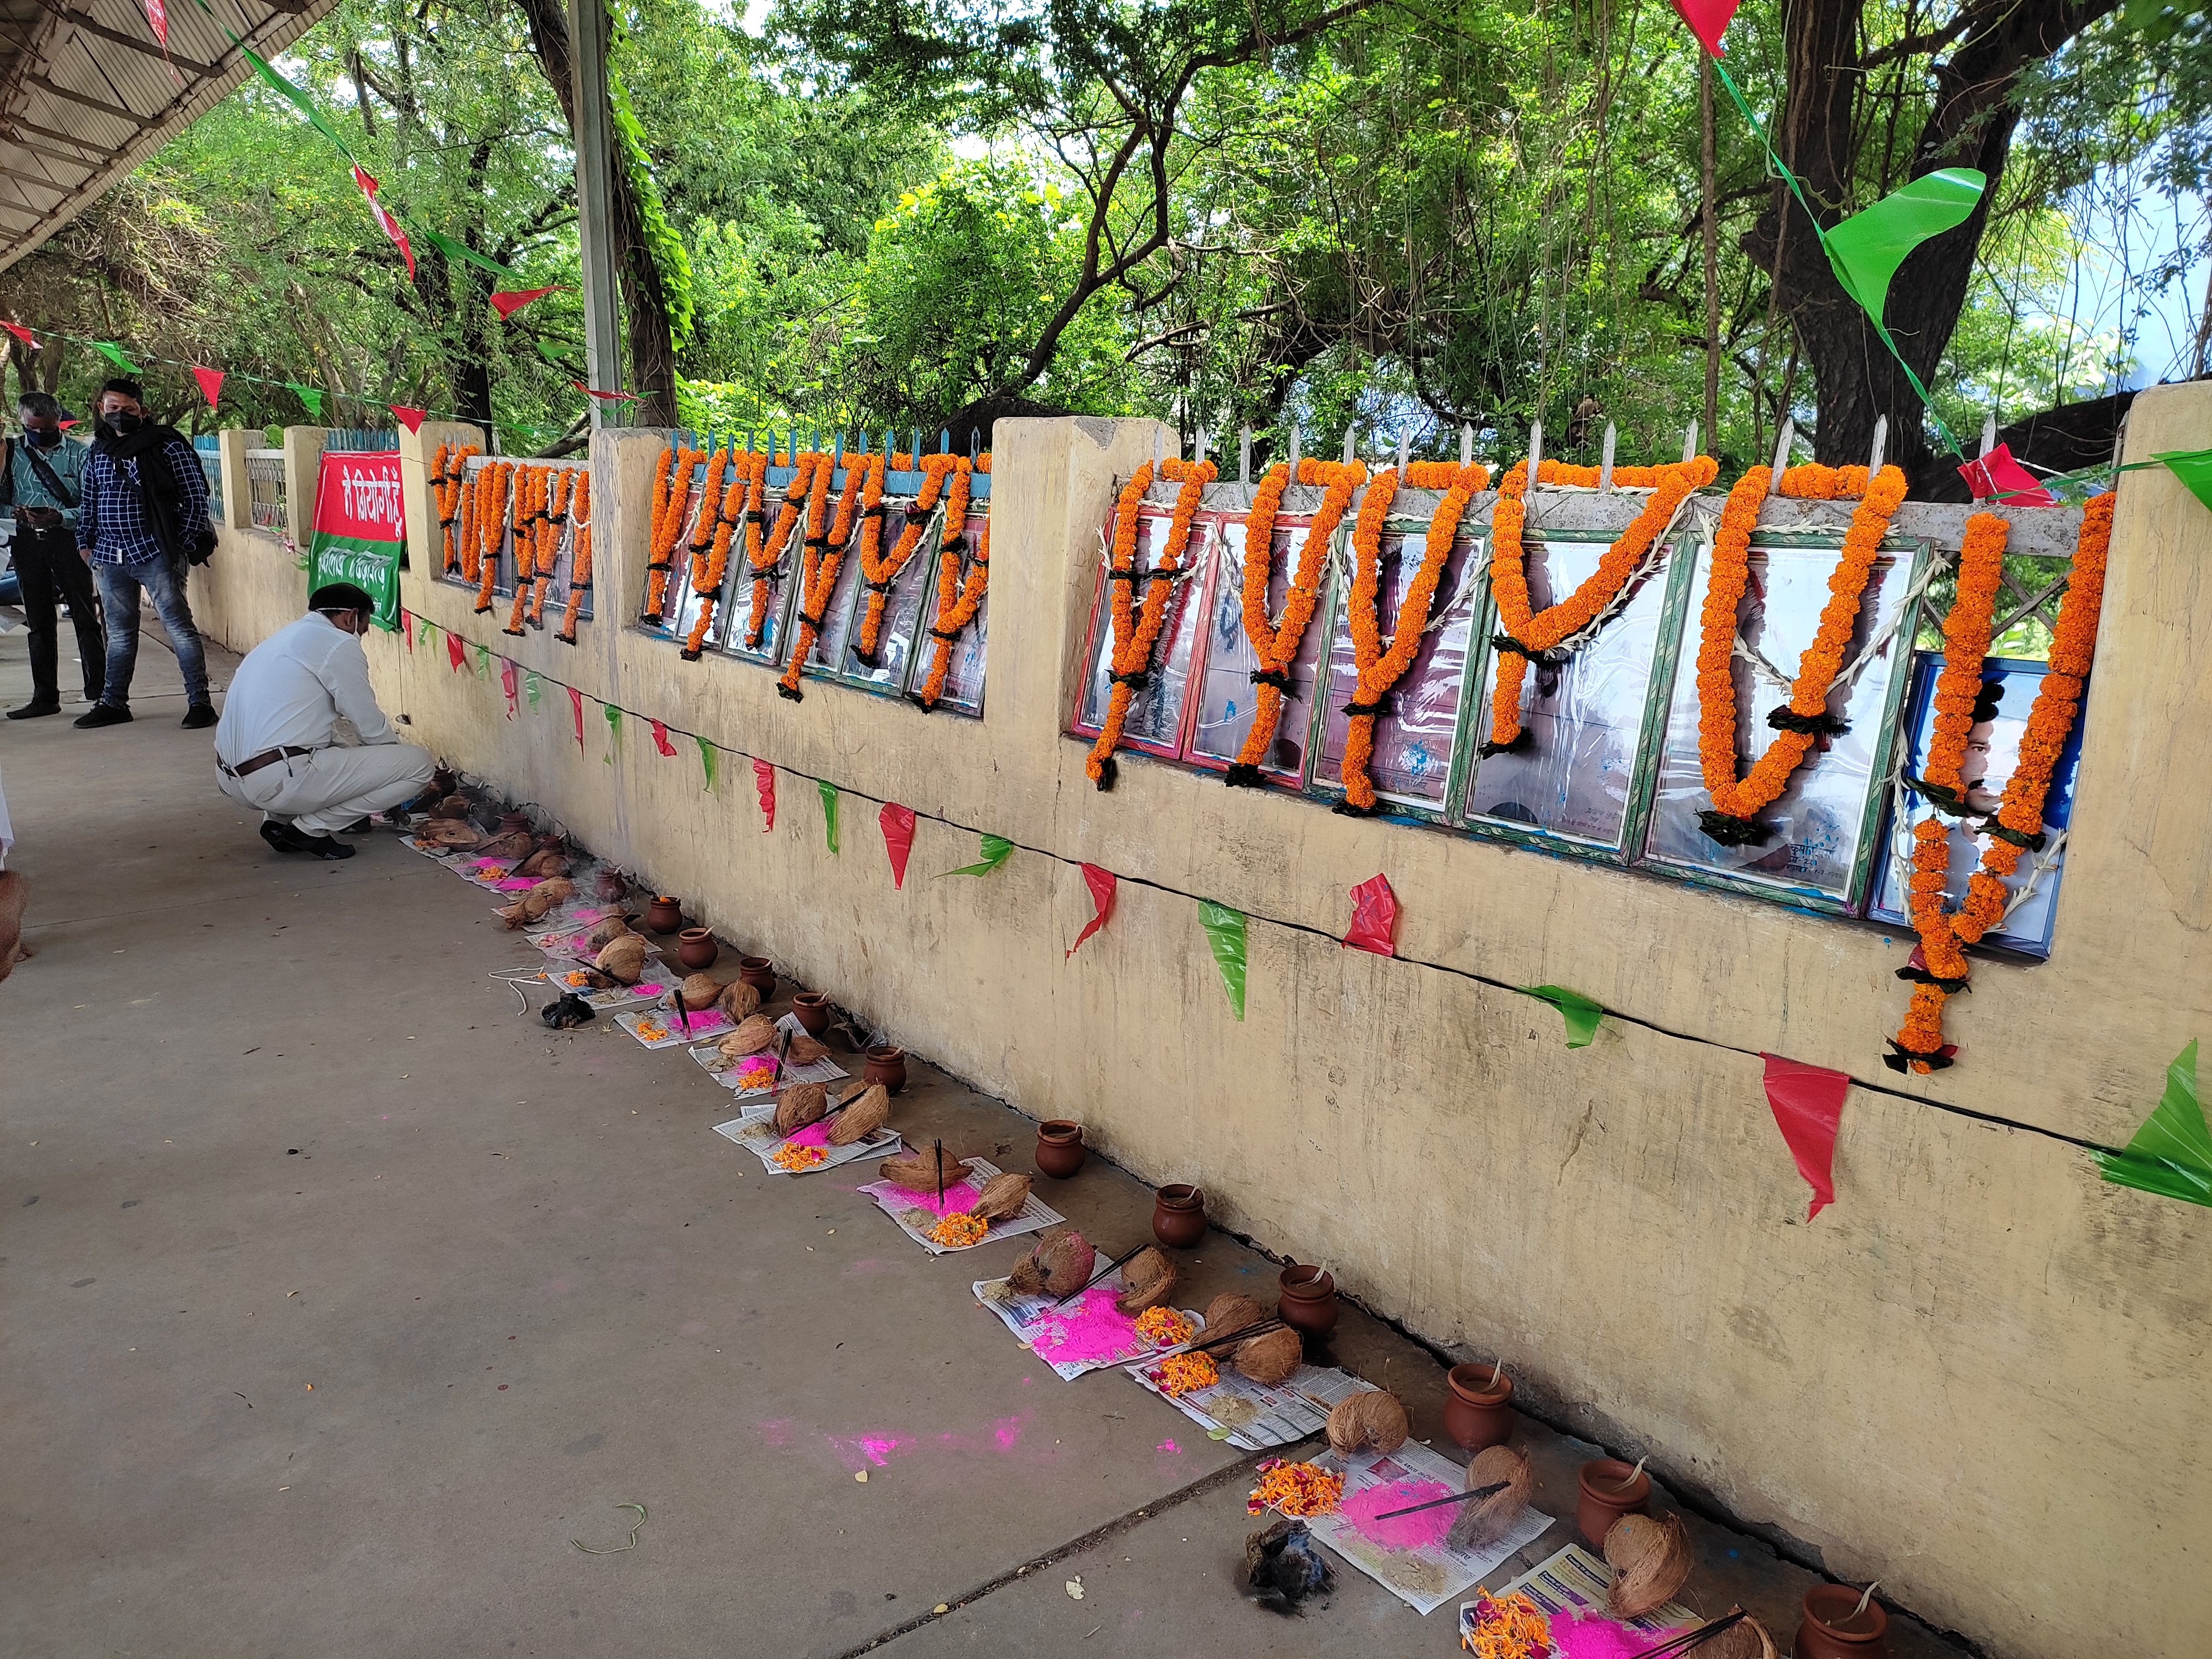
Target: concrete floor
340, 1297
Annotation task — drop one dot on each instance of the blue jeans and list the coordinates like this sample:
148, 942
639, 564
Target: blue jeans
163, 580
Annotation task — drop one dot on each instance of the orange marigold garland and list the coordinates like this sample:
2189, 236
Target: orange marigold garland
710, 552
580, 565
450, 479
549, 527
472, 485
528, 506
2017, 826
1527, 632
672, 494
1378, 668
878, 573
1137, 627
1732, 818
764, 554
491, 522
1276, 643
824, 558
957, 602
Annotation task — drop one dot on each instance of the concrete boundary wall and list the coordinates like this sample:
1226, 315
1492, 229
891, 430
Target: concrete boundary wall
1981, 1376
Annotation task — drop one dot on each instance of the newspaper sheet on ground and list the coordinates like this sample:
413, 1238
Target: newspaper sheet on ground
1253, 1415
569, 981
565, 939
1410, 1555
1087, 1332
658, 1028
754, 1129
1574, 1582
917, 1212
749, 1080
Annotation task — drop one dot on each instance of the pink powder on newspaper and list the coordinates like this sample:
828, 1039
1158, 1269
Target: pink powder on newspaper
1407, 1532
514, 883
1592, 1637
958, 1196
814, 1135
1086, 1331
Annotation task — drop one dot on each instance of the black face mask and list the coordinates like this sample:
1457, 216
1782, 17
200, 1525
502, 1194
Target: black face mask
40, 438
122, 422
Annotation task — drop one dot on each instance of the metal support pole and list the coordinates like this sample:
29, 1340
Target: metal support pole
587, 37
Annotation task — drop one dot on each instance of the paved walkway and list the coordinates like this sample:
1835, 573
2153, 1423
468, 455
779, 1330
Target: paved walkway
340, 1297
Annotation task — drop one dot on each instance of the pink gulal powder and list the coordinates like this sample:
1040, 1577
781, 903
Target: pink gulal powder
1407, 1532
958, 1197
1592, 1637
1086, 1331
814, 1135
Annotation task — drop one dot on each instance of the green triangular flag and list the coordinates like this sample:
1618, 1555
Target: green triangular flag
997, 849
1867, 248
307, 396
1581, 1014
114, 353
453, 249
2171, 1153
1224, 932
828, 793
2194, 468
530, 687
707, 762
428, 628
484, 662
614, 731
294, 95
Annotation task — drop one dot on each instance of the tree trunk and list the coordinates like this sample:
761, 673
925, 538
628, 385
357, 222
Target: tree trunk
645, 301
1822, 137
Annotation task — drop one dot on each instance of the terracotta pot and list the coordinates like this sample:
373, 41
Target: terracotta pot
1606, 1495
611, 886
813, 1008
1831, 1631
1060, 1149
1308, 1303
665, 914
509, 822
1476, 1415
888, 1067
1179, 1216
695, 948
759, 973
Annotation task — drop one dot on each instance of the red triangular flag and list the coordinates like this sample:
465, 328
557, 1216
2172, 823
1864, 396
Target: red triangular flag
210, 381
577, 707
1374, 917
1997, 476
453, 650
898, 838
385, 222
507, 304
157, 14
610, 397
22, 334
407, 629
506, 684
660, 740
1102, 883
765, 780
410, 418
1807, 1102
1707, 19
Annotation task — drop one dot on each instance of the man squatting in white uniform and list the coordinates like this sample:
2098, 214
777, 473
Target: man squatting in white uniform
277, 747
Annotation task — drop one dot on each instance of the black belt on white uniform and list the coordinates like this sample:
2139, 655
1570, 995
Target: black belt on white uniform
266, 757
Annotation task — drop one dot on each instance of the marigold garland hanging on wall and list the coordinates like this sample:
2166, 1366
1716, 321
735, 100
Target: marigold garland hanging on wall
672, 494
579, 567
710, 550
765, 554
2017, 827
1527, 632
530, 508
1137, 626
1276, 643
957, 602
879, 570
1732, 818
491, 522
824, 556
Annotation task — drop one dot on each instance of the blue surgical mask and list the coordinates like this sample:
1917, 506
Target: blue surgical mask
46, 438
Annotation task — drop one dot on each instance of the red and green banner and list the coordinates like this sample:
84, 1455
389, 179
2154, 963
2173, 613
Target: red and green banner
359, 527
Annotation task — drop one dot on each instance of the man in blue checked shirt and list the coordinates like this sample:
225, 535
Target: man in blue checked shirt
144, 503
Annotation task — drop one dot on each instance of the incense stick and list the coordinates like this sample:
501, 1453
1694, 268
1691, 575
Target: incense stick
1438, 1503
1241, 1333
677, 994
937, 1146
1125, 1257
1682, 1641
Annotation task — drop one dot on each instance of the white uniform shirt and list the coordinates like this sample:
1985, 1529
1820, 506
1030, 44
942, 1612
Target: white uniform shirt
294, 688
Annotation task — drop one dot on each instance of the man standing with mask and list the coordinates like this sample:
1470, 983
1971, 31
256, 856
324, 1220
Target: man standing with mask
42, 478
144, 498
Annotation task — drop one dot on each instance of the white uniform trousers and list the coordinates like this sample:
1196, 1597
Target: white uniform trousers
320, 794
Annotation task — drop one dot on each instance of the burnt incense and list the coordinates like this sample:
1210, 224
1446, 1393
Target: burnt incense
1438, 1503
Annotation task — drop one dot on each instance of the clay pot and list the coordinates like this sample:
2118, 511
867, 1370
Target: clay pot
1605, 1499
759, 973
611, 886
1831, 1631
888, 1067
1309, 1300
1179, 1216
511, 822
1060, 1150
695, 948
813, 1008
665, 914
1476, 1415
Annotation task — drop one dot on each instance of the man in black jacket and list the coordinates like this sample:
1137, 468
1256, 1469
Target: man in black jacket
41, 475
144, 510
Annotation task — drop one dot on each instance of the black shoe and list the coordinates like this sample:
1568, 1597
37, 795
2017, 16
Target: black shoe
32, 710
286, 839
199, 716
102, 714
358, 826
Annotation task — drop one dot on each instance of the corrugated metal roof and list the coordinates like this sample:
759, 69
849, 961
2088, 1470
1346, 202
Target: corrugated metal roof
85, 93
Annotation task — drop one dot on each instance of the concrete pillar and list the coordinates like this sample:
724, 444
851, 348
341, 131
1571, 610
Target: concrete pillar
303, 461
237, 493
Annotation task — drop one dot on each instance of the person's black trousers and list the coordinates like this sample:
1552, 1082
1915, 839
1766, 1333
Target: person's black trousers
51, 568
